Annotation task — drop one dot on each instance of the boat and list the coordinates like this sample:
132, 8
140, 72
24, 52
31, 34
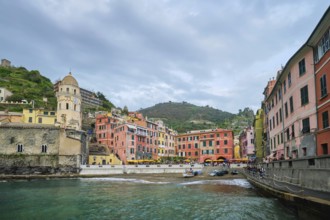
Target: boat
189, 173
218, 172
234, 172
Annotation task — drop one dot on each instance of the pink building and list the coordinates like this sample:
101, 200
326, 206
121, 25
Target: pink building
291, 108
246, 139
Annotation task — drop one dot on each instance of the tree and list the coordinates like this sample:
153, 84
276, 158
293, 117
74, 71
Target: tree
125, 110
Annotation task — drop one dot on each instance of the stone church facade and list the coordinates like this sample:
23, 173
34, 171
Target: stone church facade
47, 149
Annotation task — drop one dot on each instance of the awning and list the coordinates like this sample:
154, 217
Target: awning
131, 126
208, 160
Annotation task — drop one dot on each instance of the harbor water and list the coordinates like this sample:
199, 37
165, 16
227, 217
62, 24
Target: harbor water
137, 197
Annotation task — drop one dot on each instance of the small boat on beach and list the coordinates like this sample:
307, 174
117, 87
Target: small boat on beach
189, 173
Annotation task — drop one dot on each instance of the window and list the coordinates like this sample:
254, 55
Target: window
189, 146
218, 142
286, 109
30, 119
67, 105
30, 110
273, 121
40, 120
304, 151
45, 113
270, 124
284, 86
210, 143
204, 143
289, 79
324, 91
75, 107
225, 142
292, 132
196, 153
67, 90
196, 145
287, 134
20, 148
324, 46
226, 134
304, 95
325, 119
302, 67
276, 118
305, 123
291, 104
218, 151
280, 114
44, 148
226, 151
324, 149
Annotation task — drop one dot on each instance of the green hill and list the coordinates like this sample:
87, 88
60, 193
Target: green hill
31, 85
185, 116
26, 85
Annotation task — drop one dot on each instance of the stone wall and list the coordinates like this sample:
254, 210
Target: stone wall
129, 169
311, 173
21, 149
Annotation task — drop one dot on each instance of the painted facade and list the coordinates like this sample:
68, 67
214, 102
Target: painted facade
258, 134
247, 143
206, 145
290, 108
100, 155
320, 41
39, 116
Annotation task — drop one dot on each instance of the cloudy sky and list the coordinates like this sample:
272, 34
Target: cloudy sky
139, 53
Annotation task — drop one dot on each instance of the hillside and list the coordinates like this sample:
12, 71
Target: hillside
26, 85
31, 85
185, 116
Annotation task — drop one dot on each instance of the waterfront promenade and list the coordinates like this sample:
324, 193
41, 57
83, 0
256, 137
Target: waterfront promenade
309, 203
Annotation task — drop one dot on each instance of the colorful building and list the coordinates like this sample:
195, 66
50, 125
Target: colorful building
39, 116
206, 145
101, 155
258, 134
247, 143
320, 41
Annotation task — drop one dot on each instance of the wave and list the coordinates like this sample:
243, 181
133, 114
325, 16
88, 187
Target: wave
112, 179
234, 182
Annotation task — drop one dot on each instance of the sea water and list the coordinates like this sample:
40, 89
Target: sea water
137, 198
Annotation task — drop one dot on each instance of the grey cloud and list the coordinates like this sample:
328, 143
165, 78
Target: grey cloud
139, 53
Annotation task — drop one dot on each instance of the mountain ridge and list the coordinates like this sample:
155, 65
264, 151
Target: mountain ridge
184, 116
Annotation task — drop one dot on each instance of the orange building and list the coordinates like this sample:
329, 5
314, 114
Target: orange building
320, 41
206, 145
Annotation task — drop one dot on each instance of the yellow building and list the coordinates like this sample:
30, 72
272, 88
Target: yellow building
100, 155
237, 154
39, 116
161, 139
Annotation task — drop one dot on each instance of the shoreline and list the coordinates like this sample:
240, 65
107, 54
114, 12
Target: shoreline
148, 176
